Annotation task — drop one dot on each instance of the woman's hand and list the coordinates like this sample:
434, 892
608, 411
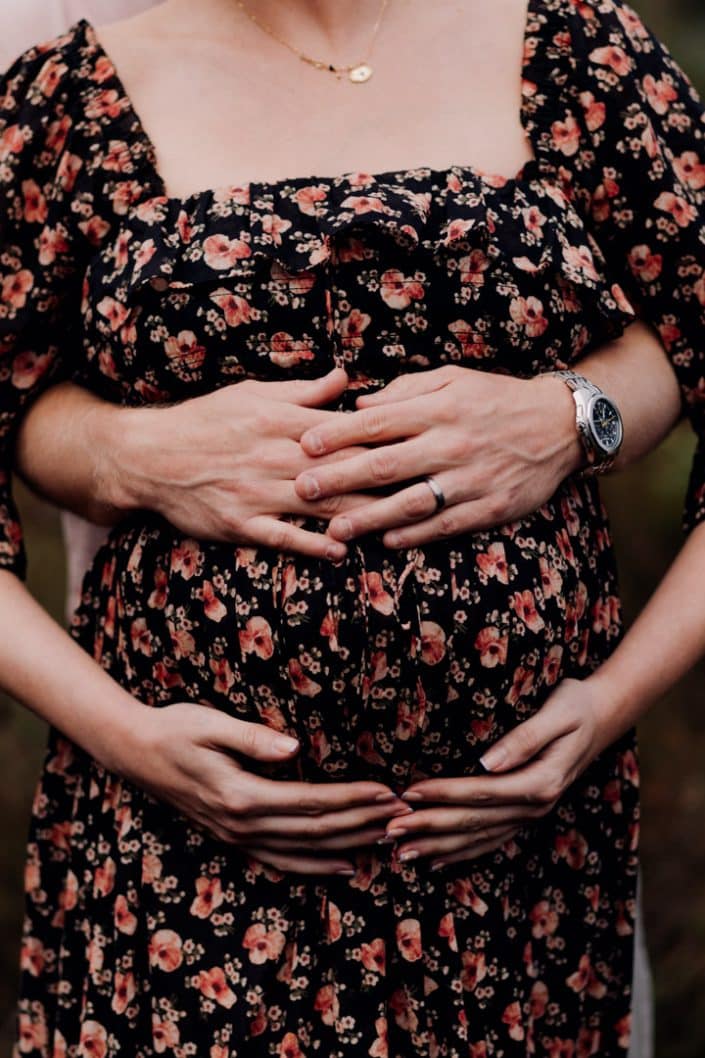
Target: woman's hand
531, 768
187, 755
497, 446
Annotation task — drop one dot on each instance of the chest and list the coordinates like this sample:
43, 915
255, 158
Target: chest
381, 275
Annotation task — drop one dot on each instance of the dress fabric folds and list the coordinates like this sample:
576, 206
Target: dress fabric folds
145, 936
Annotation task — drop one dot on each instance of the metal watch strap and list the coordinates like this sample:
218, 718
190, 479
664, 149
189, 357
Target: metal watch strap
598, 462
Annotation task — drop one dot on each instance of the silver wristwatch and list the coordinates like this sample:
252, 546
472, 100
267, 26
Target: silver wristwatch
597, 420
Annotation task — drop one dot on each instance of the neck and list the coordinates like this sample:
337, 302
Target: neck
338, 26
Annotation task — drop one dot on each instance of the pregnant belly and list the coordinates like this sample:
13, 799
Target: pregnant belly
390, 665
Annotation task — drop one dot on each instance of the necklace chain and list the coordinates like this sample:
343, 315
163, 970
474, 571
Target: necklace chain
358, 72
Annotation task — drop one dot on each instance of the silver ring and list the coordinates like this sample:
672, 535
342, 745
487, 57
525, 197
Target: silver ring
437, 492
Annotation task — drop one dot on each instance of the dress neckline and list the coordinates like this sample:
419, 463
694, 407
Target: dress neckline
530, 170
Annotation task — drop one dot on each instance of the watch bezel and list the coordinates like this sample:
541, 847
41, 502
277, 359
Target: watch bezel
607, 450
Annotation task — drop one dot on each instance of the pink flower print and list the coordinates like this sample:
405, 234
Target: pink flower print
512, 1018
287, 351
263, 944
209, 896
124, 991
165, 1034
580, 258
660, 93
493, 562
327, 1005
492, 646
379, 598
373, 956
682, 211
16, 287
302, 683
165, 950
544, 920
212, 606
113, 311
307, 198
184, 348
94, 1040
474, 969
614, 57
28, 367
275, 226
473, 268
256, 638
525, 609
220, 252
645, 265
213, 984
566, 136
397, 291
35, 204
236, 310
124, 919
408, 936
690, 170
528, 313
595, 112
433, 642
573, 848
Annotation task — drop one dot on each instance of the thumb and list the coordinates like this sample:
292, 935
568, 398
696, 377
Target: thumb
527, 740
252, 740
308, 392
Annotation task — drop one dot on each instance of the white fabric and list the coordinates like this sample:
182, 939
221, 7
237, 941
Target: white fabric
26, 22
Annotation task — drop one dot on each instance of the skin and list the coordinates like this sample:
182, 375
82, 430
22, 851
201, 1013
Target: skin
297, 120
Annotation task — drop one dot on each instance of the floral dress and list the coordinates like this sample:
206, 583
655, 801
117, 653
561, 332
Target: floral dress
144, 935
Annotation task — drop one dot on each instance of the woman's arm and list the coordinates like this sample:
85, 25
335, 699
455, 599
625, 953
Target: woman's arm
186, 462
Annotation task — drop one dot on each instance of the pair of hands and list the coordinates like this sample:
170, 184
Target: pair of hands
248, 462
314, 828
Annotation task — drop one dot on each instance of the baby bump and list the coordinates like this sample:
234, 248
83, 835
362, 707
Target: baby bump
391, 665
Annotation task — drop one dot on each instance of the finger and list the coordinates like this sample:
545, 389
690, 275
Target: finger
464, 517
406, 386
452, 820
526, 741
416, 503
287, 499
475, 852
257, 741
308, 392
377, 467
324, 825
355, 839
282, 796
444, 844
532, 784
283, 536
297, 864
370, 426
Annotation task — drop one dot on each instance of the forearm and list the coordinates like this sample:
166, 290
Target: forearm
72, 449
45, 670
636, 373
666, 640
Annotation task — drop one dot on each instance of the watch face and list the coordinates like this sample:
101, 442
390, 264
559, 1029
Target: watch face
606, 424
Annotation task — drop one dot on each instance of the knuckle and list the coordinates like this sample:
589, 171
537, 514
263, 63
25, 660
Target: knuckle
417, 504
372, 422
382, 466
282, 538
457, 449
331, 504
448, 524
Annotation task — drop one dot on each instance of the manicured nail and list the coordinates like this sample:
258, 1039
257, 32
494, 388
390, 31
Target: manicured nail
386, 798
396, 832
494, 758
437, 864
412, 795
343, 528
410, 854
347, 871
315, 444
310, 486
284, 744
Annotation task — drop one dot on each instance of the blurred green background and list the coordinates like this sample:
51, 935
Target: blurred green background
645, 505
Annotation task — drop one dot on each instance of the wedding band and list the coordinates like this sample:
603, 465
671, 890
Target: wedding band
437, 492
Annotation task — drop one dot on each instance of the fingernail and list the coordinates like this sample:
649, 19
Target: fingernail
412, 795
285, 744
315, 444
347, 871
310, 486
410, 854
385, 841
393, 540
494, 758
385, 798
404, 810
437, 864
343, 528
336, 554
396, 832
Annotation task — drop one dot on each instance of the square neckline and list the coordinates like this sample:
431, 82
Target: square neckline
531, 169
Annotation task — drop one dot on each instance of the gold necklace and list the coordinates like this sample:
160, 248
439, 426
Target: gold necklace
358, 72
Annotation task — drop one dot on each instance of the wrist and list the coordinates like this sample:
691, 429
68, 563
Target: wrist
118, 742
122, 439
557, 411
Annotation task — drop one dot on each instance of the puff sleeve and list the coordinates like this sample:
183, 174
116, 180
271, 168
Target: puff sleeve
645, 130
40, 275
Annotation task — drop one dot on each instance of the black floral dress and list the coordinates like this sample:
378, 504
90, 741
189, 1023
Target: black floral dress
143, 935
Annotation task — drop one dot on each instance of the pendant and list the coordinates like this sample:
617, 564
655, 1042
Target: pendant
360, 74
